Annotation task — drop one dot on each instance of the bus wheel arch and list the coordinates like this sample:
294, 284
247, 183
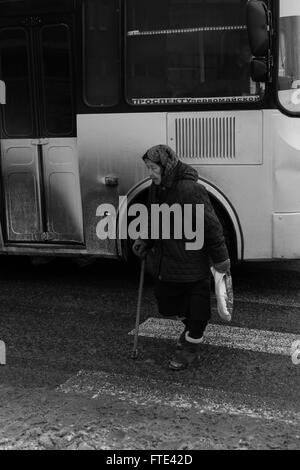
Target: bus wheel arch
229, 219
228, 229
222, 206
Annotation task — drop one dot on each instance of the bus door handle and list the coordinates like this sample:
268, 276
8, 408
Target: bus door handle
111, 180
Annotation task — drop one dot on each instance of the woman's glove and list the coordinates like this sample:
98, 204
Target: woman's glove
223, 267
140, 249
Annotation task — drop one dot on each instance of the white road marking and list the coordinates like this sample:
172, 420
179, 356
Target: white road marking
148, 392
265, 301
271, 342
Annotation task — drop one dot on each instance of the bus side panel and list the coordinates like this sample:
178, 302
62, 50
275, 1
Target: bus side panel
286, 164
231, 151
286, 216
21, 183
286, 236
112, 145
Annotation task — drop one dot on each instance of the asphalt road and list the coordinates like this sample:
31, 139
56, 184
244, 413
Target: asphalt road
69, 381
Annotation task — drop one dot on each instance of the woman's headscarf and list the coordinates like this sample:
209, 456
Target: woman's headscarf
164, 156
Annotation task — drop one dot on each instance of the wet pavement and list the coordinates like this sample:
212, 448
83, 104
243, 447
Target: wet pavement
70, 383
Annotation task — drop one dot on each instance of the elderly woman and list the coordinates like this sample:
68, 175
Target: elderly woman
183, 276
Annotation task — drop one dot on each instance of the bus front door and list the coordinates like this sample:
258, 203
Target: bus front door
39, 161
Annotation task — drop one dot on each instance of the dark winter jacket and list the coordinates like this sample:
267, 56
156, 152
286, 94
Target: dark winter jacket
172, 261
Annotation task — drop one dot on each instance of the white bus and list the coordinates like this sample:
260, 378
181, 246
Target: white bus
87, 86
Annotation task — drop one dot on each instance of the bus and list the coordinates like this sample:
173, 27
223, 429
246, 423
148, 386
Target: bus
87, 86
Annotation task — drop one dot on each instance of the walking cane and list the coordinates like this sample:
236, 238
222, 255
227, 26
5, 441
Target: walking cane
134, 353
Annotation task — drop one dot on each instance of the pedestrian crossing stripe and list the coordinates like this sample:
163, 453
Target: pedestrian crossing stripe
264, 341
258, 300
148, 392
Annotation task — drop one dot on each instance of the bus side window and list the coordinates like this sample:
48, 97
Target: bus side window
177, 50
284, 81
101, 52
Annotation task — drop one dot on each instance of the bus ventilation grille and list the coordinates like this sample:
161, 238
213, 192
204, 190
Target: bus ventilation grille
205, 137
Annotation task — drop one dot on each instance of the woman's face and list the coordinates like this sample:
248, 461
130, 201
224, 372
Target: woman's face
154, 171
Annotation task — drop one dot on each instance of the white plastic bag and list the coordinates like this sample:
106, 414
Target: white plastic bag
224, 294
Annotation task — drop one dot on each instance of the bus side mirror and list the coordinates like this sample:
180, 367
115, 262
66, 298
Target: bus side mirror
258, 27
2, 92
259, 70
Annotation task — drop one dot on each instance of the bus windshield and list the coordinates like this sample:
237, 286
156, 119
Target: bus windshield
195, 51
289, 56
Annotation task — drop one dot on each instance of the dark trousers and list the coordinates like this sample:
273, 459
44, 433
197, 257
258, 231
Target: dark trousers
188, 299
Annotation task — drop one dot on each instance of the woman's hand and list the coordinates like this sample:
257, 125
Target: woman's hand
223, 267
140, 249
